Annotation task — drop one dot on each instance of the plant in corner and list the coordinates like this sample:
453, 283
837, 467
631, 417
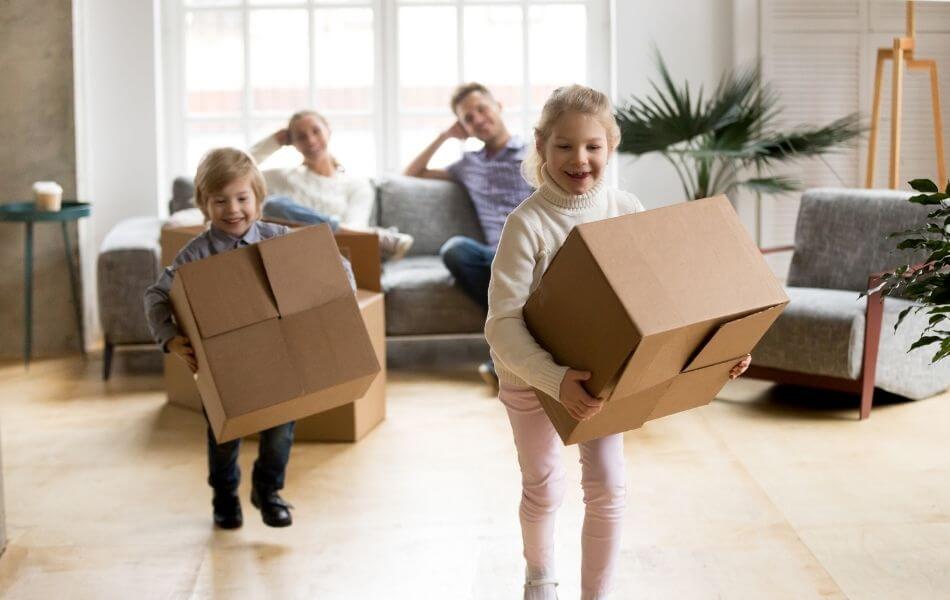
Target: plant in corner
713, 142
926, 283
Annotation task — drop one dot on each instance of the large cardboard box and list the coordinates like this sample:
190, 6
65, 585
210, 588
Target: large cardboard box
658, 306
277, 332
347, 423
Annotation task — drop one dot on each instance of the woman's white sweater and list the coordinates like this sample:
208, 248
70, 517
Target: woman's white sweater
350, 199
532, 235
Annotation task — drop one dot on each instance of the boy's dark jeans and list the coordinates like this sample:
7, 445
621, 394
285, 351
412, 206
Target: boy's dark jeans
224, 474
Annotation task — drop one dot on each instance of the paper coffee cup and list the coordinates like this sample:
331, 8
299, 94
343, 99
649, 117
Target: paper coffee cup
49, 195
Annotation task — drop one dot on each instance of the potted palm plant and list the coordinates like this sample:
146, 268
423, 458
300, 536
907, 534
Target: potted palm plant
713, 143
926, 283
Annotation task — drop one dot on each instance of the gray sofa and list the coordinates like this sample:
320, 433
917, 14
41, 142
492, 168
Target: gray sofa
421, 297
830, 337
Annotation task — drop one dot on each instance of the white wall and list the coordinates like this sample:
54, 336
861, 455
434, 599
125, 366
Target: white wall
119, 120
696, 39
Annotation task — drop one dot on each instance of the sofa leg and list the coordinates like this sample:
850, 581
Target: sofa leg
107, 360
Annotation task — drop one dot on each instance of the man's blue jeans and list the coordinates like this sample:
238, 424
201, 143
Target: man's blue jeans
224, 474
287, 209
470, 263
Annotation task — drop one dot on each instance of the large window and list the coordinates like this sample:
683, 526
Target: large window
381, 71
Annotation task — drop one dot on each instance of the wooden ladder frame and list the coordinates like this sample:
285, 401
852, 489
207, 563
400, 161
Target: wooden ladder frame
903, 53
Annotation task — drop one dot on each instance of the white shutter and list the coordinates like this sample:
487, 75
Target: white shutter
918, 151
813, 15
820, 58
812, 57
888, 16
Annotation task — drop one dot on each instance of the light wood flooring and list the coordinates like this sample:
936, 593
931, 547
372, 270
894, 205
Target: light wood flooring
768, 493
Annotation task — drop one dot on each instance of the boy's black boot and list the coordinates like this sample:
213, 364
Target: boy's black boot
274, 509
227, 510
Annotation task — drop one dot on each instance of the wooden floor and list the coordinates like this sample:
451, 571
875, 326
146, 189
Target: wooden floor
768, 493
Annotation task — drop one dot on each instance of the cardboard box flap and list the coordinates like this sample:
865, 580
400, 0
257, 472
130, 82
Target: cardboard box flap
362, 250
693, 389
602, 335
304, 269
329, 344
252, 380
651, 264
228, 291
735, 339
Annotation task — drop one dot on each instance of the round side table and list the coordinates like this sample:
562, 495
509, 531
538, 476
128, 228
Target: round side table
26, 212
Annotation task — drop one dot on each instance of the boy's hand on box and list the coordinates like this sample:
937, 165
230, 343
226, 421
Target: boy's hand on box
181, 346
575, 398
740, 367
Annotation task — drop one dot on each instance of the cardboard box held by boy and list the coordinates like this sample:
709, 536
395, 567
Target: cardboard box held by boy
277, 331
658, 306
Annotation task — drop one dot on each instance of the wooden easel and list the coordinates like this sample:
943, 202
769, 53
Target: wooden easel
903, 52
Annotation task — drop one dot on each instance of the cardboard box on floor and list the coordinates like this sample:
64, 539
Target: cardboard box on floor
354, 418
658, 306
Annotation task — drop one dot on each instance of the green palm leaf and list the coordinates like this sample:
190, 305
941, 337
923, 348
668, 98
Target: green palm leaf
710, 141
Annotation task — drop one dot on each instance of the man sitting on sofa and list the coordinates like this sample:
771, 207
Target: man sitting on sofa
492, 177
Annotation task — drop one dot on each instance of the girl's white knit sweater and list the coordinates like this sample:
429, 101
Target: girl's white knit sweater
343, 196
532, 235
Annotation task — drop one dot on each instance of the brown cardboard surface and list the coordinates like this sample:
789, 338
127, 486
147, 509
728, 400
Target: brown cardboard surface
352, 421
362, 250
259, 367
347, 422
298, 279
173, 239
658, 306
228, 291
604, 329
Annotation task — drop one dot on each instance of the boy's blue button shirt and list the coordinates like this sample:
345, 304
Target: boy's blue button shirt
158, 308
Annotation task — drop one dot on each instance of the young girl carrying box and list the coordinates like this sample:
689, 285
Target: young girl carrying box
574, 139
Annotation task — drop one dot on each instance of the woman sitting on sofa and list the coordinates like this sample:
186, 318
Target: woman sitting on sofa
319, 191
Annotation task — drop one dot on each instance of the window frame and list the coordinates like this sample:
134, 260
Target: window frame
385, 111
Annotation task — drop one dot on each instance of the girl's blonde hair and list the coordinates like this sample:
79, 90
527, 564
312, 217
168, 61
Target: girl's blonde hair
572, 98
221, 166
312, 113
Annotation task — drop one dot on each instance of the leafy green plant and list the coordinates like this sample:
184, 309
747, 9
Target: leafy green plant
713, 142
927, 283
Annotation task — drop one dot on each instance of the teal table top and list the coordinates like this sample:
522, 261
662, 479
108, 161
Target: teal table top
27, 212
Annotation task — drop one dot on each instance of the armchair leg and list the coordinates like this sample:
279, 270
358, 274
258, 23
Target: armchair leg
873, 315
107, 360
867, 398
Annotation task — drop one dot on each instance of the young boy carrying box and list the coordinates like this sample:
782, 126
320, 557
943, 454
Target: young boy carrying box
229, 190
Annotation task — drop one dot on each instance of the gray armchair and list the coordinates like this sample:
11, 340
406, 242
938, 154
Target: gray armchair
828, 336
128, 263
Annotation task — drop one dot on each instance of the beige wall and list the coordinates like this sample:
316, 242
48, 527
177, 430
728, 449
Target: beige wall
37, 143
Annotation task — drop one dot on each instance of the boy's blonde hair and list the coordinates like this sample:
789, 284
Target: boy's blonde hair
221, 166
572, 98
312, 113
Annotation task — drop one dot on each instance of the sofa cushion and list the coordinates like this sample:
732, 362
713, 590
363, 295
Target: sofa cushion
422, 299
821, 332
430, 210
841, 236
